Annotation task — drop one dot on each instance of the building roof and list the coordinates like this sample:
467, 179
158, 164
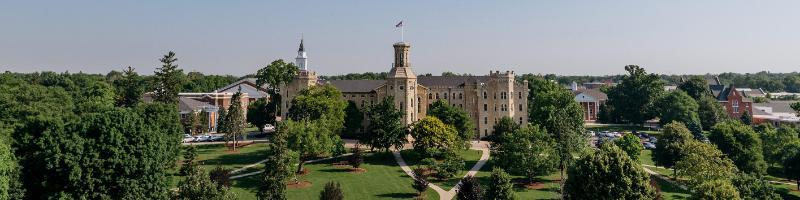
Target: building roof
449, 81
597, 94
186, 104
355, 85
248, 87
747, 92
777, 106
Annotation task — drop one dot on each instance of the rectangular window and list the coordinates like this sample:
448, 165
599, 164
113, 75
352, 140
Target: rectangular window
485, 107
485, 120
735, 106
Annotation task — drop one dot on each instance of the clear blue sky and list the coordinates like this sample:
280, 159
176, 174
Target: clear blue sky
563, 37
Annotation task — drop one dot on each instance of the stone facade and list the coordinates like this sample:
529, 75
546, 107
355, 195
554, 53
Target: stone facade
485, 98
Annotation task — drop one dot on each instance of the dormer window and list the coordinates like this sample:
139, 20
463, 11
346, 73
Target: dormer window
735, 106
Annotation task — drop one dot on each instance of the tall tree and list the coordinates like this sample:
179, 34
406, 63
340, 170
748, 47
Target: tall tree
332, 191
500, 186
776, 141
320, 103
527, 151
634, 98
352, 121
702, 162
678, 106
234, 120
273, 76
696, 87
741, 144
385, 129
188, 162
221, 117
504, 126
716, 189
278, 168
751, 187
456, 117
198, 185
310, 139
710, 112
791, 162
259, 114
607, 174
168, 80
8, 164
631, 145
130, 88
432, 133
470, 189
192, 123
669, 146
555, 110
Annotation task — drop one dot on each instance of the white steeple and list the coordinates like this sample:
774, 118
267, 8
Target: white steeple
301, 60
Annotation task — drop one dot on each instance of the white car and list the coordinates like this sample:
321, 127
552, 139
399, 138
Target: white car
202, 138
187, 138
269, 128
648, 145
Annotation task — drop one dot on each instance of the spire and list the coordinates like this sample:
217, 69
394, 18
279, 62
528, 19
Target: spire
301, 45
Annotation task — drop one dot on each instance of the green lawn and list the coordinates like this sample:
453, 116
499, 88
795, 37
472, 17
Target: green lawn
383, 180
210, 156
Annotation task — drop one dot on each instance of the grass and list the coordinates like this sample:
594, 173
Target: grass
383, 180
669, 190
210, 156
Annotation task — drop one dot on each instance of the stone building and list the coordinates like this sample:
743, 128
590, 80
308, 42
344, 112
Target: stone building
485, 98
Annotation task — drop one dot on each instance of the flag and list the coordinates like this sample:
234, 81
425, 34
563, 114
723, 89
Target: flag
399, 24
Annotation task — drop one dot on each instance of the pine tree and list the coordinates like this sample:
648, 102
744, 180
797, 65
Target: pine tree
168, 80
189, 155
278, 168
332, 191
221, 120
470, 189
357, 158
131, 88
500, 187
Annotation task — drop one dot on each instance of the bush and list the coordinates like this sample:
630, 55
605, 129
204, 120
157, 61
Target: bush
357, 158
420, 181
449, 167
332, 191
470, 189
221, 176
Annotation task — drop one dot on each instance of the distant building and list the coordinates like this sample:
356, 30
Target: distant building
731, 99
189, 106
775, 113
598, 85
485, 98
590, 100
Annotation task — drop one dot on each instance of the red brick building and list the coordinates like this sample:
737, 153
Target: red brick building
590, 100
734, 101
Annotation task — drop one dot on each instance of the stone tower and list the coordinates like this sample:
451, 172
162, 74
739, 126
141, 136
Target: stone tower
402, 83
304, 79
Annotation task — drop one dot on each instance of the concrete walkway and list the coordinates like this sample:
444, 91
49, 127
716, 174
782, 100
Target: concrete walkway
262, 161
448, 195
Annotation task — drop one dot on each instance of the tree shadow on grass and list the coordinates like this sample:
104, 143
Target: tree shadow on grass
334, 170
250, 183
398, 195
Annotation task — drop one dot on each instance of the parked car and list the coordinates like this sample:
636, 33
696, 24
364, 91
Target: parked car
652, 139
591, 133
188, 138
202, 138
648, 145
269, 128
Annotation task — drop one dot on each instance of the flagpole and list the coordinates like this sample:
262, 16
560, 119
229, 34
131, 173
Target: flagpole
402, 34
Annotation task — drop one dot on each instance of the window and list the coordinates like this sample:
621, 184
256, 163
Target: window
520, 95
445, 95
520, 120
391, 87
485, 107
495, 95
430, 96
484, 95
402, 87
460, 95
460, 105
735, 106
520, 107
437, 95
485, 120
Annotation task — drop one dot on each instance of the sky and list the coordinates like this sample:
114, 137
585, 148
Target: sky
541, 37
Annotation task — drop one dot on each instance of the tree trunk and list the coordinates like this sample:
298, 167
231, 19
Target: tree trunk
234, 142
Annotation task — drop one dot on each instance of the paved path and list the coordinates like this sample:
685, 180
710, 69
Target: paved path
448, 195
259, 162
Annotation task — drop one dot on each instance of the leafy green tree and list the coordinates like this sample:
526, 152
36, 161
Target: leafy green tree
716, 190
503, 126
752, 188
432, 133
192, 123
278, 168
607, 174
310, 139
130, 88
527, 151
199, 186
631, 145
775, 141
500, 186
450, 166
791, 162
456, 117
221, 176
204, 121
696, 87
273, 76
258, 114
678, 106
703, 162
8, 164
635, 96
320, 103
353, 119
332, 191
470, 189
746, 118
168, 80
555, 110
668, 148
710, 112
385, 129
741, 144
198, 82
234, 120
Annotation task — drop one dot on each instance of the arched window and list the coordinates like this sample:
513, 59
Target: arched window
430, 96
484, 95
460, 95
485, 107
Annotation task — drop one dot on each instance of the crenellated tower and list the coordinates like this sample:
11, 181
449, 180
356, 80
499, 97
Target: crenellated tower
402, 83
